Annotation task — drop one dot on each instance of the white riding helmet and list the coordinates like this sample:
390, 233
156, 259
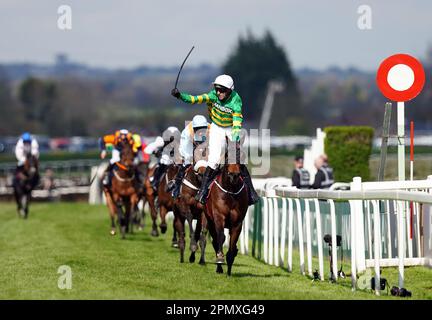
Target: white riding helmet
173, 129
124, 131
224, 80
199, 121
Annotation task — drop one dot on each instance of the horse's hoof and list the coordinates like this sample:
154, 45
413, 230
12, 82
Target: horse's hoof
163, 228
175, 245
219, 269
220, 259
154, 233
202, 262
112, 232
192, 257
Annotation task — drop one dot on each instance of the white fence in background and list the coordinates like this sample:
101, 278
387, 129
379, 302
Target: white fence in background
381, 224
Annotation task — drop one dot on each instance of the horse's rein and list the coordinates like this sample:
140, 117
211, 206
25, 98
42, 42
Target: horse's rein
121, 166
124, 168
230, 192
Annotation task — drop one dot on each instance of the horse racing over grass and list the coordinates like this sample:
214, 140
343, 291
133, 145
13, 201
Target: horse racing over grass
142, 266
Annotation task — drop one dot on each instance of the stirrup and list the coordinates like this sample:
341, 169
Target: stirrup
201, 196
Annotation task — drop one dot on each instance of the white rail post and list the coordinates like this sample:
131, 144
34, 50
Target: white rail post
283, 231
401, 239
308, 237
377, 245
266, 228
319, 238
356, 185
271, 229
369, 228
300, 231
389, 237
353, 245
290, 233
333, 238
276, 232
418, 235
408, 228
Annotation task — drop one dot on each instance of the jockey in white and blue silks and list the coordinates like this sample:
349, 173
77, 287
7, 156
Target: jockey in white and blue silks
194, 132
26, 145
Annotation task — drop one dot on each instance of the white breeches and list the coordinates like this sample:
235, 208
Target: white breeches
217, 143
115, 156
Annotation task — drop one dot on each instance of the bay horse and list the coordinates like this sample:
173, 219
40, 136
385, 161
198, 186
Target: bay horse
142, 169
165, 199
187, 208
153, 198
226, 207
122, 197
24, 181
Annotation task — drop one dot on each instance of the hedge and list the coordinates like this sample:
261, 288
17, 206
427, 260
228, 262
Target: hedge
348, 149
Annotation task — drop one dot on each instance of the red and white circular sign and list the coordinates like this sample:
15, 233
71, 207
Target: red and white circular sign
400, 77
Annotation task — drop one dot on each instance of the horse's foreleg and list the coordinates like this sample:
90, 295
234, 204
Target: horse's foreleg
26, 199
128, 215
153, 213
232, 251
179, 222
121, 219
133, 210
163, 212
203, 238
112, 211
193, 242
194, 236
215, 242
174, 241
17, 198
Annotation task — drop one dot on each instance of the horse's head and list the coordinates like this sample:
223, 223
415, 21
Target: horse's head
233, 173
126, 155
199, 169
30, 165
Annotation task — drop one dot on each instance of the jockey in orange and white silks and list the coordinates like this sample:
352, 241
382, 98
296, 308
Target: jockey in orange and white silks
26, 145
122, 135
114, 139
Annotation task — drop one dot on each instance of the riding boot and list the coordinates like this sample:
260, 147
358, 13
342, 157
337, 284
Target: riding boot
253, 197
159, 171
203, 191
178, 180
106, 181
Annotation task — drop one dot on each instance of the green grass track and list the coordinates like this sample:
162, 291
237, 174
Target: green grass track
142, 267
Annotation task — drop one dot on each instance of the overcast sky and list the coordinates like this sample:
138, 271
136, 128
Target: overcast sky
315, 34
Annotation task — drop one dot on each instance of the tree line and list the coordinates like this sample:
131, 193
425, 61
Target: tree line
73, 105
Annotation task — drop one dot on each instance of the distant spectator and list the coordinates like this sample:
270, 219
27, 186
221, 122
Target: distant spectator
300, 176
324, 175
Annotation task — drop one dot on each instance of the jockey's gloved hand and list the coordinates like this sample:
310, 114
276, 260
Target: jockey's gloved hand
175, 93
235, 134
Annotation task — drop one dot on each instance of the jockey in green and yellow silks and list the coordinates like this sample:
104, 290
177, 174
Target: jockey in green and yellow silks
225, 111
